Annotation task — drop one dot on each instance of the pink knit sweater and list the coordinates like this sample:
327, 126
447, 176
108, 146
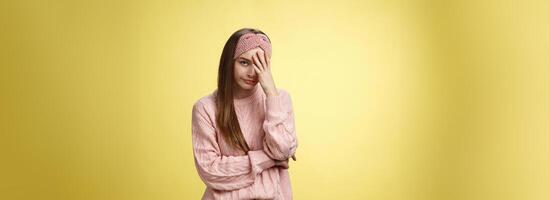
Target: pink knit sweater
269, 129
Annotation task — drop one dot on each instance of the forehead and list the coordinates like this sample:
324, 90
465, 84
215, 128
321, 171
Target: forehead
248, 54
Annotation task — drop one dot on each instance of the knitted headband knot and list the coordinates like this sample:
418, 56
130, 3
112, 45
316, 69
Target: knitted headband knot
251, 40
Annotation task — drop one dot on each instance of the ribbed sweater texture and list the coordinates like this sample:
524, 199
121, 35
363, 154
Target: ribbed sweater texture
268, 126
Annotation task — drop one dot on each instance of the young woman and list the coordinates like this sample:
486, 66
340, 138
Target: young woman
243, 133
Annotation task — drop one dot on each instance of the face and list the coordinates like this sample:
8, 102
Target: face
244, 73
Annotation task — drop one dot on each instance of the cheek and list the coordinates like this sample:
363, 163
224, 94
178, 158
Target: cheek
238, 71
241, 69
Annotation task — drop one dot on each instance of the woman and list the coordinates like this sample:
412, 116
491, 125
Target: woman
243, 133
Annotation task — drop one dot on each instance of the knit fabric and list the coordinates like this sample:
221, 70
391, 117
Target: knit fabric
267, 123
251, 40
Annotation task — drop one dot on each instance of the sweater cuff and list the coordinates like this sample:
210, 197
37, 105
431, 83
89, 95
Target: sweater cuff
274, 107
260, 161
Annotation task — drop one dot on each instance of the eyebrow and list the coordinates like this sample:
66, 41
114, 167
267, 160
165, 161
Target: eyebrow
245, 59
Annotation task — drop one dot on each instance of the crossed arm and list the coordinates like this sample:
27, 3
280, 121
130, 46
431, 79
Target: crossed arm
235, 172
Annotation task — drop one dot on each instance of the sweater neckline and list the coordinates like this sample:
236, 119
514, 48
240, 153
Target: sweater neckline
256, 93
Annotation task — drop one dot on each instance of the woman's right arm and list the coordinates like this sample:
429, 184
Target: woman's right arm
218, 171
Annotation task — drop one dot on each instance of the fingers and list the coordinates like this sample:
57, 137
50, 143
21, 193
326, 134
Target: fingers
261, 56
257, 62
257, 70
268, 60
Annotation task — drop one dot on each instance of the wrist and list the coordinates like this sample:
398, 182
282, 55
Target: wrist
272, 93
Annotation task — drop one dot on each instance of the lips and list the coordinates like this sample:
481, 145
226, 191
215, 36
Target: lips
249, 82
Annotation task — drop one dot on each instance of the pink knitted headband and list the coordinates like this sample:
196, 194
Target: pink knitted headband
251, 40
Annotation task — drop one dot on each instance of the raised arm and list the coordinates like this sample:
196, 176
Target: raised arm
280, 141
218, 171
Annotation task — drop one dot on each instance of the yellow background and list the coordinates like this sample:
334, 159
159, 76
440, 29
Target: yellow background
393, 99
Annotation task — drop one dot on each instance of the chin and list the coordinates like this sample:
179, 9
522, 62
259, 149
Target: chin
248, 87
245, 86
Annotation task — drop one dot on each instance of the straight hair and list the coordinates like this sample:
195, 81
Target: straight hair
226, 118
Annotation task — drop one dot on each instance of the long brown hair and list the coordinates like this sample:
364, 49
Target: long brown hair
226, 117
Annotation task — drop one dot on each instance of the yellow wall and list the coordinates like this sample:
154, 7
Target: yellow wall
393, 99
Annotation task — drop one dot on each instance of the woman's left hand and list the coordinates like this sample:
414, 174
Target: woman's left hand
262, 66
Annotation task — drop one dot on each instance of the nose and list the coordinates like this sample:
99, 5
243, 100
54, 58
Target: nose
251, 72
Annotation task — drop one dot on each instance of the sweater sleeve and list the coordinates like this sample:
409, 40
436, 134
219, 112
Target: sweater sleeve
218, 171
280, 140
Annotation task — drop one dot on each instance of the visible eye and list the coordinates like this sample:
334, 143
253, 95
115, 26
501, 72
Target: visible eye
242, 62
